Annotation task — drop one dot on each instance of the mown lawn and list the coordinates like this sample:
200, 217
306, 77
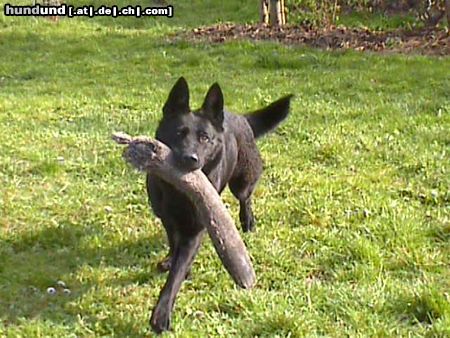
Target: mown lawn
353, 212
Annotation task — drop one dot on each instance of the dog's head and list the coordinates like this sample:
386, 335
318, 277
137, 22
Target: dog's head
193, 136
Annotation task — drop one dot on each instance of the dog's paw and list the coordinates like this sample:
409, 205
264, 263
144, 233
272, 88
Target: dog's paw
165, 264
160, 320
248, 224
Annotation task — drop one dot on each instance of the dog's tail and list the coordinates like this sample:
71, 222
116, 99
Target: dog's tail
266, 119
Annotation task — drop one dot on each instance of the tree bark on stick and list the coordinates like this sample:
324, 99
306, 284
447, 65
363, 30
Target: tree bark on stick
153, 156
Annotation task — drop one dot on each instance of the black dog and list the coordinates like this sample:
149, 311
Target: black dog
223, 146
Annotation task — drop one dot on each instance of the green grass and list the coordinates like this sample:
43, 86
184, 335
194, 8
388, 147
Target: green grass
353, 228
378, 21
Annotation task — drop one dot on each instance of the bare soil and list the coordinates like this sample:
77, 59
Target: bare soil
423, 41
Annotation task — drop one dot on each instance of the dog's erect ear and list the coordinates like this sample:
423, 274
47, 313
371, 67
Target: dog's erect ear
213, 105
178, 100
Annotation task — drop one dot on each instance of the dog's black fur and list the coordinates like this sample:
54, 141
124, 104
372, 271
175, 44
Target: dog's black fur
223, 146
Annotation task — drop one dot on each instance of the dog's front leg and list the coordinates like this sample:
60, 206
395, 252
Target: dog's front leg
181, 263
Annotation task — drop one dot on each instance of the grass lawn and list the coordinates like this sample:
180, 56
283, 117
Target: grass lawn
353, 209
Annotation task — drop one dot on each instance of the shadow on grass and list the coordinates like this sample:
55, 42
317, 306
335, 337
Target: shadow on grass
423, 306
79, 256
277, 325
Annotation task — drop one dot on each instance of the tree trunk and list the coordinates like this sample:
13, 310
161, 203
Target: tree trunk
276, 17
264, 11
447, 11
153, 156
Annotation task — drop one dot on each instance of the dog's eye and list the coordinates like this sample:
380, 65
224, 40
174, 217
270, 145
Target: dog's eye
182, 132
203, 138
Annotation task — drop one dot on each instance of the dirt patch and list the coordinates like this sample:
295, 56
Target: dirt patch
424, 41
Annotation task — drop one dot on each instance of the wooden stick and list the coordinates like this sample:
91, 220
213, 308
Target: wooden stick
150, 155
